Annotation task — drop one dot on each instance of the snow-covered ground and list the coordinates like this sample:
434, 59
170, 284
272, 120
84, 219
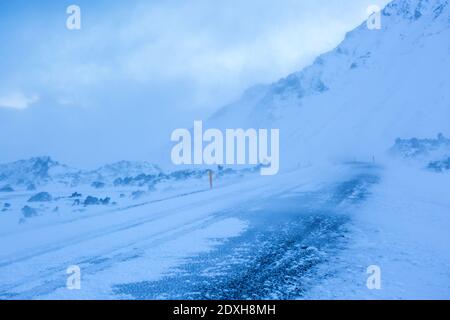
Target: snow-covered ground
142, 241
404, 229
308, 233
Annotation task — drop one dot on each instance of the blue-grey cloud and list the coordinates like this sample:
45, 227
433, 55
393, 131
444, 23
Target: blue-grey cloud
137, 69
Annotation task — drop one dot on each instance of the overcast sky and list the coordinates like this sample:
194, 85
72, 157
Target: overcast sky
139, 69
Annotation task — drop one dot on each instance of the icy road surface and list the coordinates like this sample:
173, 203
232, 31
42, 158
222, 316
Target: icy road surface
253, 239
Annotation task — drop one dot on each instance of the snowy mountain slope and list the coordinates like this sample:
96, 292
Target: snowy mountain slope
40, 172
354, 101
44, 170
421, 148
36, 170
126, 169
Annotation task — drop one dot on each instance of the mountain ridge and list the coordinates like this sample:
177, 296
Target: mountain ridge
42, 170
372, 88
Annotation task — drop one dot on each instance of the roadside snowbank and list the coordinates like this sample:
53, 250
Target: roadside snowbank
404, 228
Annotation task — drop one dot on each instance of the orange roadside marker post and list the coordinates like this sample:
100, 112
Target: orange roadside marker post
210, 179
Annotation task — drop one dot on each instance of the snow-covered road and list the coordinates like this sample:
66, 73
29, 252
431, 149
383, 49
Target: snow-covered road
244, 240
288, 235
